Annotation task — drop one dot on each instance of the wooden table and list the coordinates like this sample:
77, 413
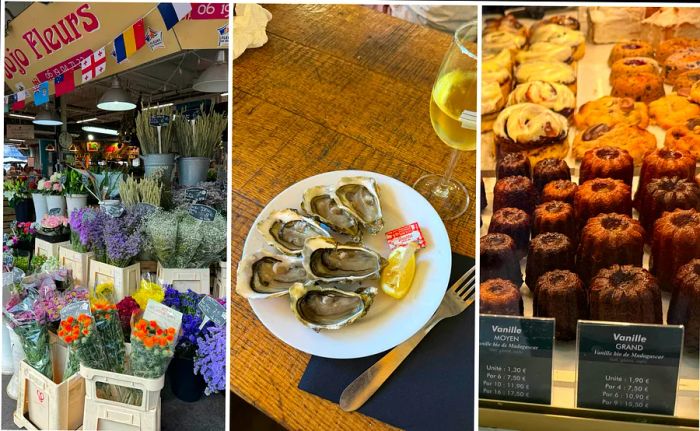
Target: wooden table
335, 87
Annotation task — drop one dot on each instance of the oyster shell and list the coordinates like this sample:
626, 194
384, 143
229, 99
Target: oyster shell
324, 307
327, 260
287, 230
360, 196
266, 275
318, 201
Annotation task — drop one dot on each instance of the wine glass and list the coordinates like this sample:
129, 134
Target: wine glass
453, 115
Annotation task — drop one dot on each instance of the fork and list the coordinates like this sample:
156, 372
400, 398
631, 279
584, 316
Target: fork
457, 299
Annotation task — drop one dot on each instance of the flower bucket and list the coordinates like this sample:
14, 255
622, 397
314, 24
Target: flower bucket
185, 384
75, 202
56, 201
113, 179
40, 207
192, 170
24, 210
153, 163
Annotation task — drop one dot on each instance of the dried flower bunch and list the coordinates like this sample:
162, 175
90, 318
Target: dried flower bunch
200, 137
148, 135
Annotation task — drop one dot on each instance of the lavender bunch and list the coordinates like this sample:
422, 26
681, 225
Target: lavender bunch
122, 241
210, 360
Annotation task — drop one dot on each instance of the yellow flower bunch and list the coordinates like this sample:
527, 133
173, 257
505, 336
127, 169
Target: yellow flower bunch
148, 290
102, 290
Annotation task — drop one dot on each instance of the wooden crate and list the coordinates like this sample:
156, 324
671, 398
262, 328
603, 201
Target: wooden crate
125, 280
78, 262
42, 403
196, 279
48, 249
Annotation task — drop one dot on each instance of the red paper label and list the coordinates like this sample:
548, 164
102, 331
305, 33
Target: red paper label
72, 63
405, 234
209, 11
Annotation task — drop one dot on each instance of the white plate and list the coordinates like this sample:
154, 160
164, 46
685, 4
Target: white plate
389, 321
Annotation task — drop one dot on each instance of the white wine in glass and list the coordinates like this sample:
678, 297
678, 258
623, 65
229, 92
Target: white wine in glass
453, 115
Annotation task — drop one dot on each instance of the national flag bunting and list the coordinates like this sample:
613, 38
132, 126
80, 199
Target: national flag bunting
17, 101
64, 83
173, 13
130, 41
41, 94
93, 65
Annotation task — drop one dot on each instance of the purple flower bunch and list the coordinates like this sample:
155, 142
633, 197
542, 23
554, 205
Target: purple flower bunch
210, 360
87, 226
172, 297
122, 241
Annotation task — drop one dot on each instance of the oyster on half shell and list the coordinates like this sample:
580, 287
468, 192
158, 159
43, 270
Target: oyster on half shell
325, 307
360, 196
318, 202
327, 260
287, 230
267, 275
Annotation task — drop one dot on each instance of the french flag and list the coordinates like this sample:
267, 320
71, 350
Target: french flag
172, 13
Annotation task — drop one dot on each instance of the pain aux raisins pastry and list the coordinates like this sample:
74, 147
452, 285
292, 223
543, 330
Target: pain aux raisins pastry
684, 83
685, 303
544, 51
560, 35
680, 62
532, 128
557, 97
559, 190
630, 48
667, 194
637, 142
499, 296
641, 87
548, 251
497, 40
663, 162
552, 71
512, 165
685, 137
608, 239
602, 195
672, 110
492, 102
625, 293
498, 258
633, 66
671, 46
675, 242
607, 162
560, 294
515, 223
610, 111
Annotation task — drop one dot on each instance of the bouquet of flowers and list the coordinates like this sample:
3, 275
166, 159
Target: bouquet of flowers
18, 189
210, 359
54, 185
30, 327
192, 318
87, 225
51, 224
148, 289
22, 232
152, 347
122, 239
127, 308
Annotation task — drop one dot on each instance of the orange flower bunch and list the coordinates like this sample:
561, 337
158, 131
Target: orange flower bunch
152, 335
103, 306
72, 329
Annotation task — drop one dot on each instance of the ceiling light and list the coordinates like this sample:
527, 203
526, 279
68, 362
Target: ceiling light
26, 117
101, 130
116, 99
164, 105
50, 148
73, 148
215, 78
16, 140
224, 94
91, 137
47, 118
86, 120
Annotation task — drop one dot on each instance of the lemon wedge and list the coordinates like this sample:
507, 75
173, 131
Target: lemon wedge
397, 275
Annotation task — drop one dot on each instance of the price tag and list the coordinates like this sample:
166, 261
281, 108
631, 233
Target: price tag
164, 316
55, 211
212, 310
159, 120
195, 194
191, 114
202, 212
75, 309
630, 367
515, 358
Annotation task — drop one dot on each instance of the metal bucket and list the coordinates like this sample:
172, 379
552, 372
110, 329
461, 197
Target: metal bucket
159, 163
192, 170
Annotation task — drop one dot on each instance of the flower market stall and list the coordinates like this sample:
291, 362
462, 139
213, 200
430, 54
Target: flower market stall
114, 234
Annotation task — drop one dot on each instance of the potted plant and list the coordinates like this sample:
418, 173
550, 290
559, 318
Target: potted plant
55, 198
103, 187
17, 193
157, 146
76, 193
198, 141
39, 199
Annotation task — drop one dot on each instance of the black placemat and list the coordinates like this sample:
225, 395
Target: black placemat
433, 388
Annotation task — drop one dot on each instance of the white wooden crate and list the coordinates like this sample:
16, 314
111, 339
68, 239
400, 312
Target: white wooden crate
196, 279
77, 262
48, 249
125, 280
